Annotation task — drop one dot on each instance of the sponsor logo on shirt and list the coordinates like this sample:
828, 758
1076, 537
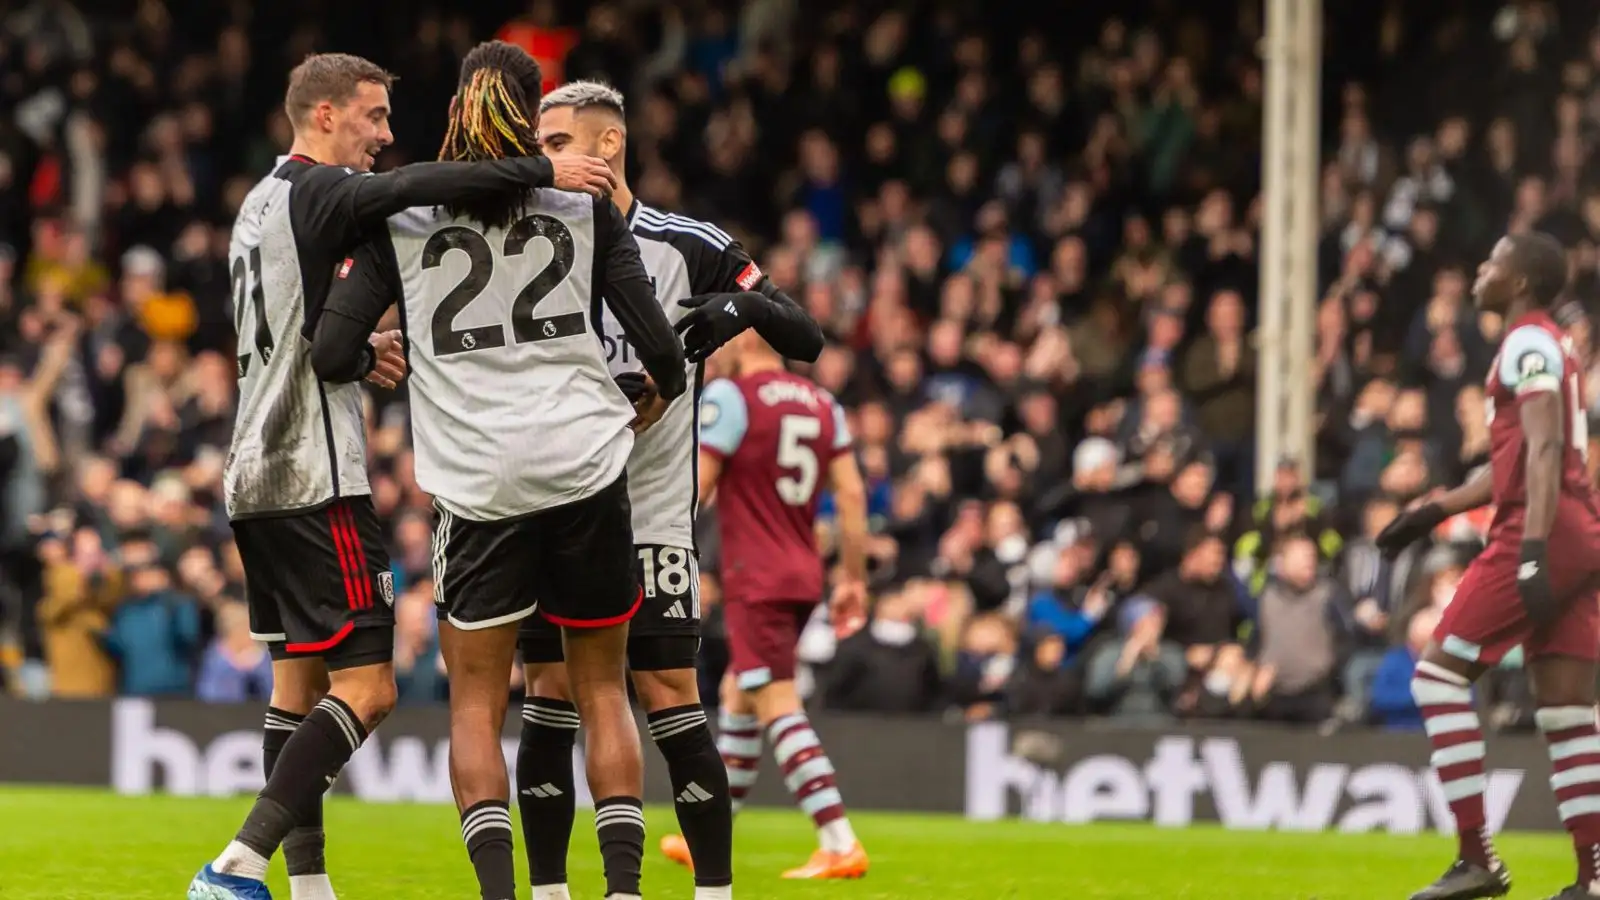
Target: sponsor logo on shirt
344, 267
750, 277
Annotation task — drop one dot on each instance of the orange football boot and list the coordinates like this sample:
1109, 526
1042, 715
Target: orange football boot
675, 848
826, 864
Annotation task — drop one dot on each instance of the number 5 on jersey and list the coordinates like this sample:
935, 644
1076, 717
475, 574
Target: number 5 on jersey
797, 458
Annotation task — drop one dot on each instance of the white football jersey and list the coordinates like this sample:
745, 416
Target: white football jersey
684, 257
297, 442
513, 409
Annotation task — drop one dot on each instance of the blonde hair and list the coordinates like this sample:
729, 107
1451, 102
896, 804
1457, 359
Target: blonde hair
490, 115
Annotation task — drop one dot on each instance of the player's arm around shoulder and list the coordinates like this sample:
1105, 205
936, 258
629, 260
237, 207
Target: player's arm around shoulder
724, 419
344, 346
626, 288
732, 294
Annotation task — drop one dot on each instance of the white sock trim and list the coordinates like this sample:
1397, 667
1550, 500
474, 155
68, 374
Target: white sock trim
1560, 718
1440, 673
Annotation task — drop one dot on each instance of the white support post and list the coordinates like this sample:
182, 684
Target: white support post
1286, 397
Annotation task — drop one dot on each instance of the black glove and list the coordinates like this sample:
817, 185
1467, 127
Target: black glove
1533, 583
715, 319
635, 386
1409, 527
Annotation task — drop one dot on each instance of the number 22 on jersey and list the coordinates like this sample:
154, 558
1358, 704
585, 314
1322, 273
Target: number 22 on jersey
525, 327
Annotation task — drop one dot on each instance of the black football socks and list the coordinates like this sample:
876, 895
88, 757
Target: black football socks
486, 830
305, 848
545, 786
699, 789
308, 763
619, 822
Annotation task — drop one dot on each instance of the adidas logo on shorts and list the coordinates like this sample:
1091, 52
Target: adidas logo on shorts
675, 611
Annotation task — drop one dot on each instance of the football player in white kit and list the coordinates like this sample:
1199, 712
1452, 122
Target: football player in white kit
316, 571
712, 290
523, 438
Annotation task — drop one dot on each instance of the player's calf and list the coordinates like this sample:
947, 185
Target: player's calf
738, 741
1575, 761
809, 775
545, 780
597, 673
305, 848
1444, 698
309, 762
297, 685
701, 796
479, 662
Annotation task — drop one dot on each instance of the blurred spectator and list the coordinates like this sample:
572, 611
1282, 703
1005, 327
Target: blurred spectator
886, 667
418, 665
1044, 683
1392, 705
1069, 609
235, 668
155, 631
1219, 372
1375, 589
1301, 628
984, 664
82, 586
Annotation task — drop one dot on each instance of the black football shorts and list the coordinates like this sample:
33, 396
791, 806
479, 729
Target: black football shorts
664, 635
572, 563
318, 583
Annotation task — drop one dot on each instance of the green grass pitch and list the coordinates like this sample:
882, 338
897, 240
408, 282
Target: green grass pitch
89, 845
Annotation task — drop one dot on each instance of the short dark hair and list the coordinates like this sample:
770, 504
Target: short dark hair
1542, 260
333, 77
493, 116
1197, 537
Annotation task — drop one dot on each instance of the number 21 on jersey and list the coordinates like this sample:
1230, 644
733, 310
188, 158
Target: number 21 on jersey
248, 293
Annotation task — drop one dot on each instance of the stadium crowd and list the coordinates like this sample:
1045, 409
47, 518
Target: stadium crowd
1033, 248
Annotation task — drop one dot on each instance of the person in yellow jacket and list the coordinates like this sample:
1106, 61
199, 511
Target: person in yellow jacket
81, 587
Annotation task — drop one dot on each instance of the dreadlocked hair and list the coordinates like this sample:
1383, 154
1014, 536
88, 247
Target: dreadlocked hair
494, 116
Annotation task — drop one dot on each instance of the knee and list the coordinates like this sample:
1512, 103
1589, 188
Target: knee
298, 684
667, 689
368, 690
776, 700
549, 681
